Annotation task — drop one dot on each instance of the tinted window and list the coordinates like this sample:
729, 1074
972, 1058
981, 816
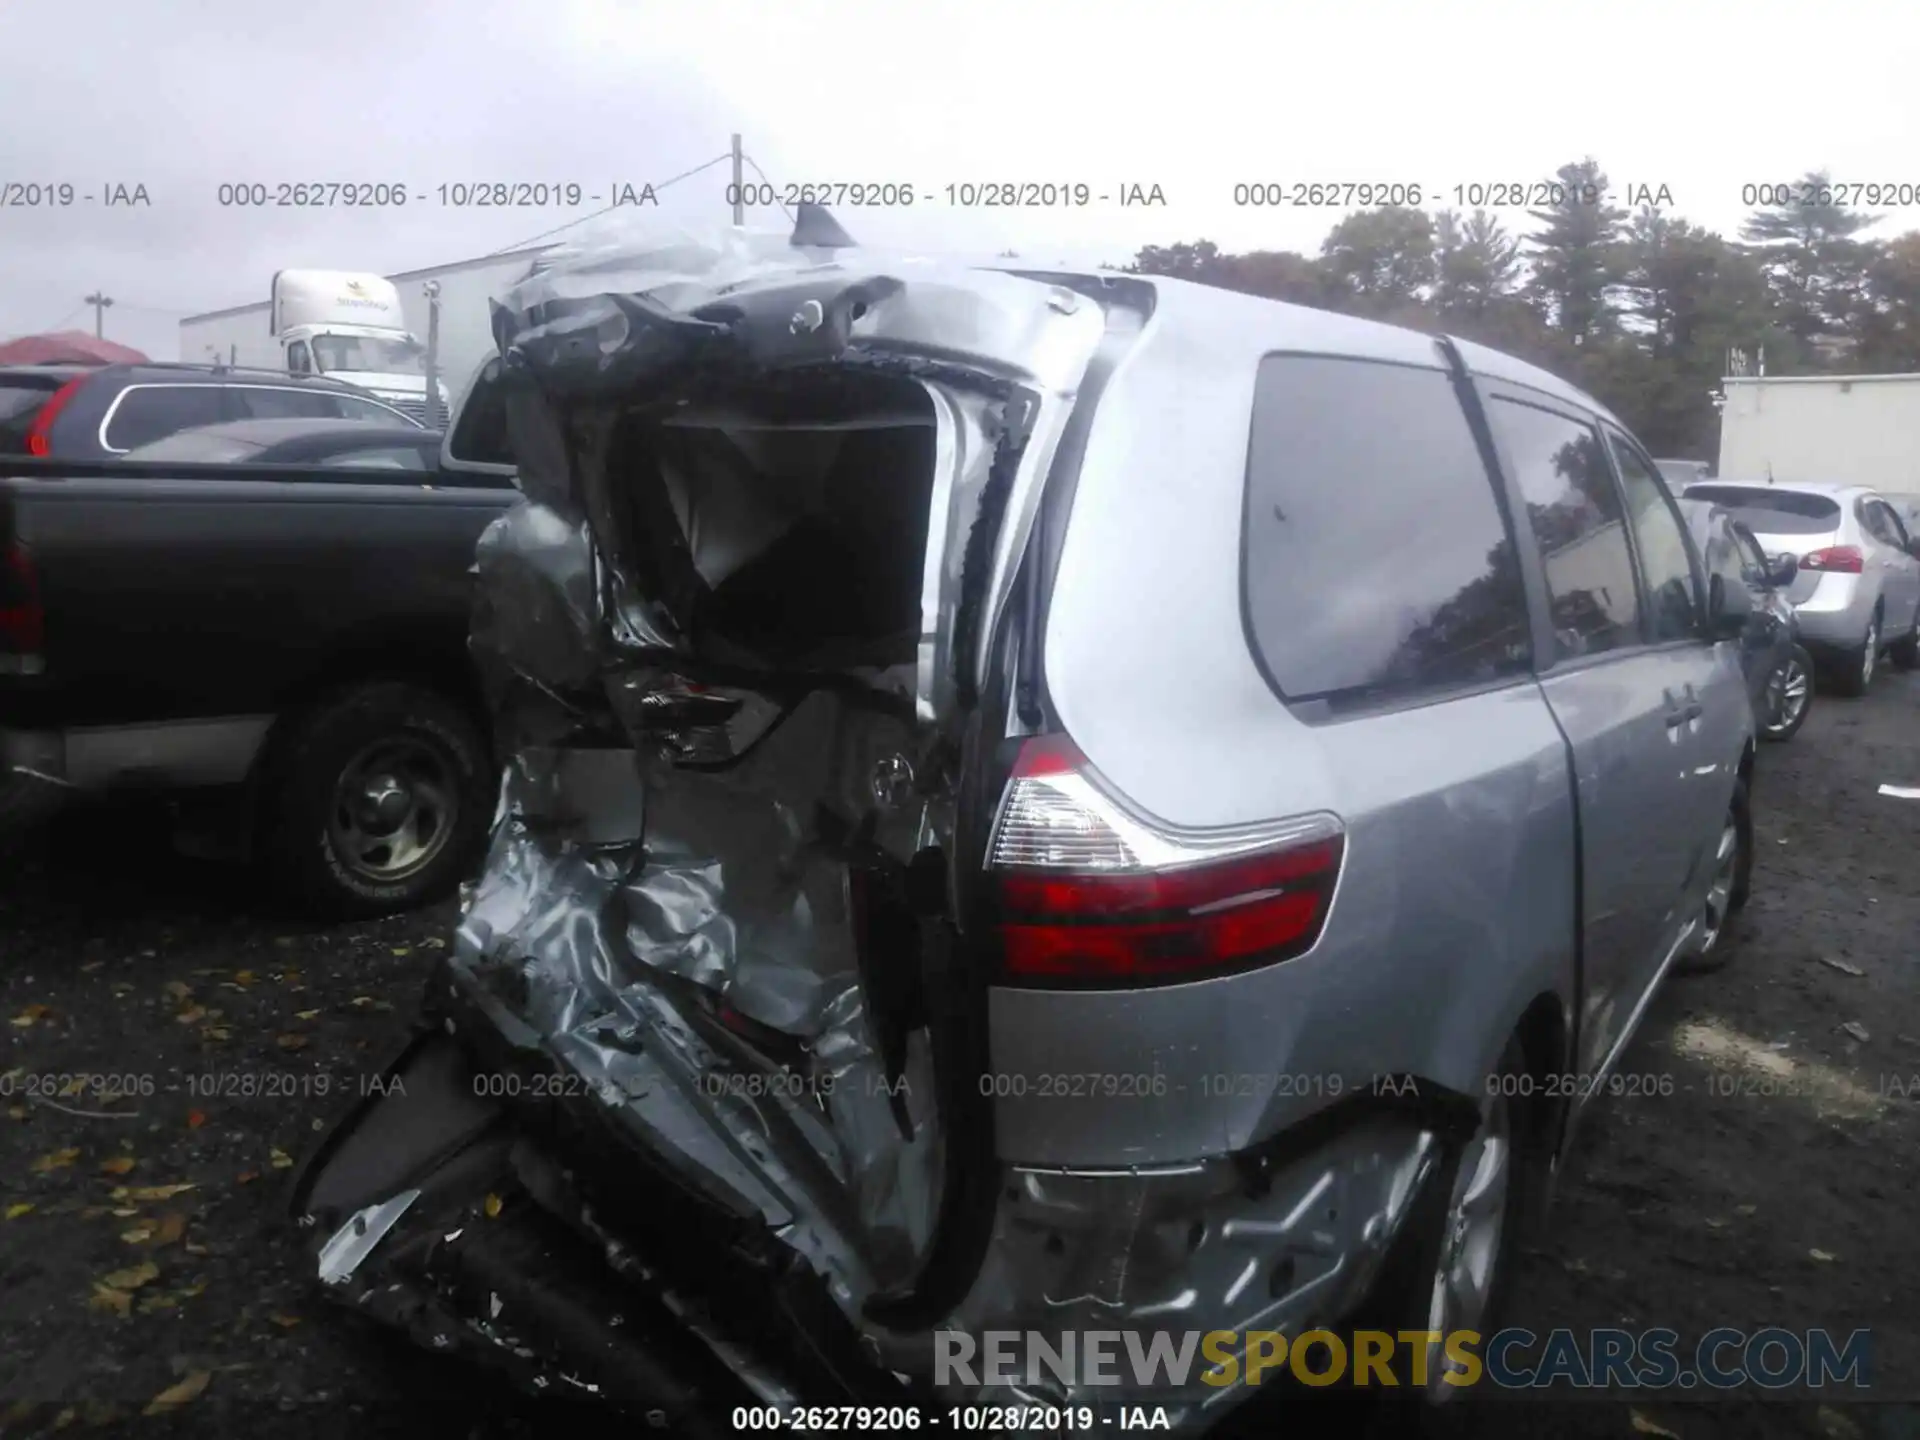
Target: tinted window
1673, 602
1720, 550
1773, 512
198, 447
1575, 516
1753, 561
1885, 524
298, 360
480, 431
263, 402
20, 401
153, 412
1376, 556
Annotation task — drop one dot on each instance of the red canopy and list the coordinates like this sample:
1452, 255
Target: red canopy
69, 347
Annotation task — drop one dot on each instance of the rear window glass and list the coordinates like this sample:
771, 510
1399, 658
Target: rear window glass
1377, 562
145, 413
1773, 512
264, 402
20, 401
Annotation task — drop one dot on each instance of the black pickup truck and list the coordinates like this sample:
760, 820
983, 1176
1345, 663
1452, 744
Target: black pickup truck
284, 647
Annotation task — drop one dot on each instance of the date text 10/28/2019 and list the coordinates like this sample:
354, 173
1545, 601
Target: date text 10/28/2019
987, 1419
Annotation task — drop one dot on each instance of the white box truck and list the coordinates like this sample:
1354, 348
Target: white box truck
1833, 429
252, 335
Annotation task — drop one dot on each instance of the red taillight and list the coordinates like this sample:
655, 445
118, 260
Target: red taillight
1091, 893
49, 412
22, 621
1836, 559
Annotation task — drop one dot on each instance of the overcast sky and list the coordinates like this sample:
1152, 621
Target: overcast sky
1701, 97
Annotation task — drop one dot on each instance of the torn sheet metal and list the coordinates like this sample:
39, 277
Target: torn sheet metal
717, 895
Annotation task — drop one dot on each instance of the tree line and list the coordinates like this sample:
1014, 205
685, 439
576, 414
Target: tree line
1640, 308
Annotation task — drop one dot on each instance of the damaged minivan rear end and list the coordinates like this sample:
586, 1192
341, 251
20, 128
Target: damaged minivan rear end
914, 915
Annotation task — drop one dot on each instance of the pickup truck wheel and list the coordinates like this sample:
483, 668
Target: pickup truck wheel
378, 801
1727, 891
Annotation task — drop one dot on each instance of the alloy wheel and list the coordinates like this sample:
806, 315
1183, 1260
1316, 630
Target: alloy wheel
1470, 1247
394, 809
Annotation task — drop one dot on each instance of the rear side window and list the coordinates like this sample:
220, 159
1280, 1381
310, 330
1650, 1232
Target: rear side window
1575, 516
1377, 562
20, 401
1773, 512
146, 413
1885, 525
480, 431
264, 402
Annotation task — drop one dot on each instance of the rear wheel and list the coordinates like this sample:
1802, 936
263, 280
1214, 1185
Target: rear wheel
1857, 665
377, 801
1726, 891
1788, 696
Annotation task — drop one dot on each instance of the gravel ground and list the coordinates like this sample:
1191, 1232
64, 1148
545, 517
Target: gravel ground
1771, 1182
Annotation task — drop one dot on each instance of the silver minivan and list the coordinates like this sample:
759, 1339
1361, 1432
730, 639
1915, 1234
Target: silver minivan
1039, 807
1857, 591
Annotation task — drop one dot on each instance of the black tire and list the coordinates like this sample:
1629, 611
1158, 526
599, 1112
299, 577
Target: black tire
1799, 669
1719, 949
1855, 668
326, 856
1904, 653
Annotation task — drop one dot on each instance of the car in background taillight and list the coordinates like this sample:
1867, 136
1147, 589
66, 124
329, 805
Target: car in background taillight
1835, 560
38, 432
22, 620
1093, 895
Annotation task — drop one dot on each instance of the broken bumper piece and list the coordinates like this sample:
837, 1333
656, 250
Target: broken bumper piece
483, 1204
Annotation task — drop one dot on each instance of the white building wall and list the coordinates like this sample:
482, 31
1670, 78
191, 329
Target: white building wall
1863, 430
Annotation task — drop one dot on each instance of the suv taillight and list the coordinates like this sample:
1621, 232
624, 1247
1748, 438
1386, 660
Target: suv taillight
37, 442
22, 621
1836, 559
1092, 894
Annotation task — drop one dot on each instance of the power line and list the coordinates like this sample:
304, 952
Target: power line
770, 185
545, 234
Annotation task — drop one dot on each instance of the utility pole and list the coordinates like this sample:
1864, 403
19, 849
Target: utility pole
100, 303
739, 199
435, 420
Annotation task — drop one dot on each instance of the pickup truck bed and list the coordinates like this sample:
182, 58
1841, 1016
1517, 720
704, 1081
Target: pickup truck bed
233, 628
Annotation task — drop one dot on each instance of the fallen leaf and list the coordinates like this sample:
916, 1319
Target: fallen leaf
58, 1160
177, 1395
216, 1032
171, 1228
435, 943
118, 1165
113, 1302
192, 1015
191, 1291
243, 977
281, 1160
1845, 968
14, 1212
138, 1235
492, 1206
403, 949
179, 989
1856, 1030
1643, 1426
1745, 1209
1822, 1256
306, 1014
283, 940
246, 1177
67, 1416
161, 1301
285, 1322
193, 1249
292, 1042
195, 1119
1716, 1224
122, 1212
32, 1015
1836, 1424
133, 1277
18, 1112
146, 1194
362, 1001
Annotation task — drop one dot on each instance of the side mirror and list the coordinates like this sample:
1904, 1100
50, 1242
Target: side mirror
1782, 569
1729, 608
